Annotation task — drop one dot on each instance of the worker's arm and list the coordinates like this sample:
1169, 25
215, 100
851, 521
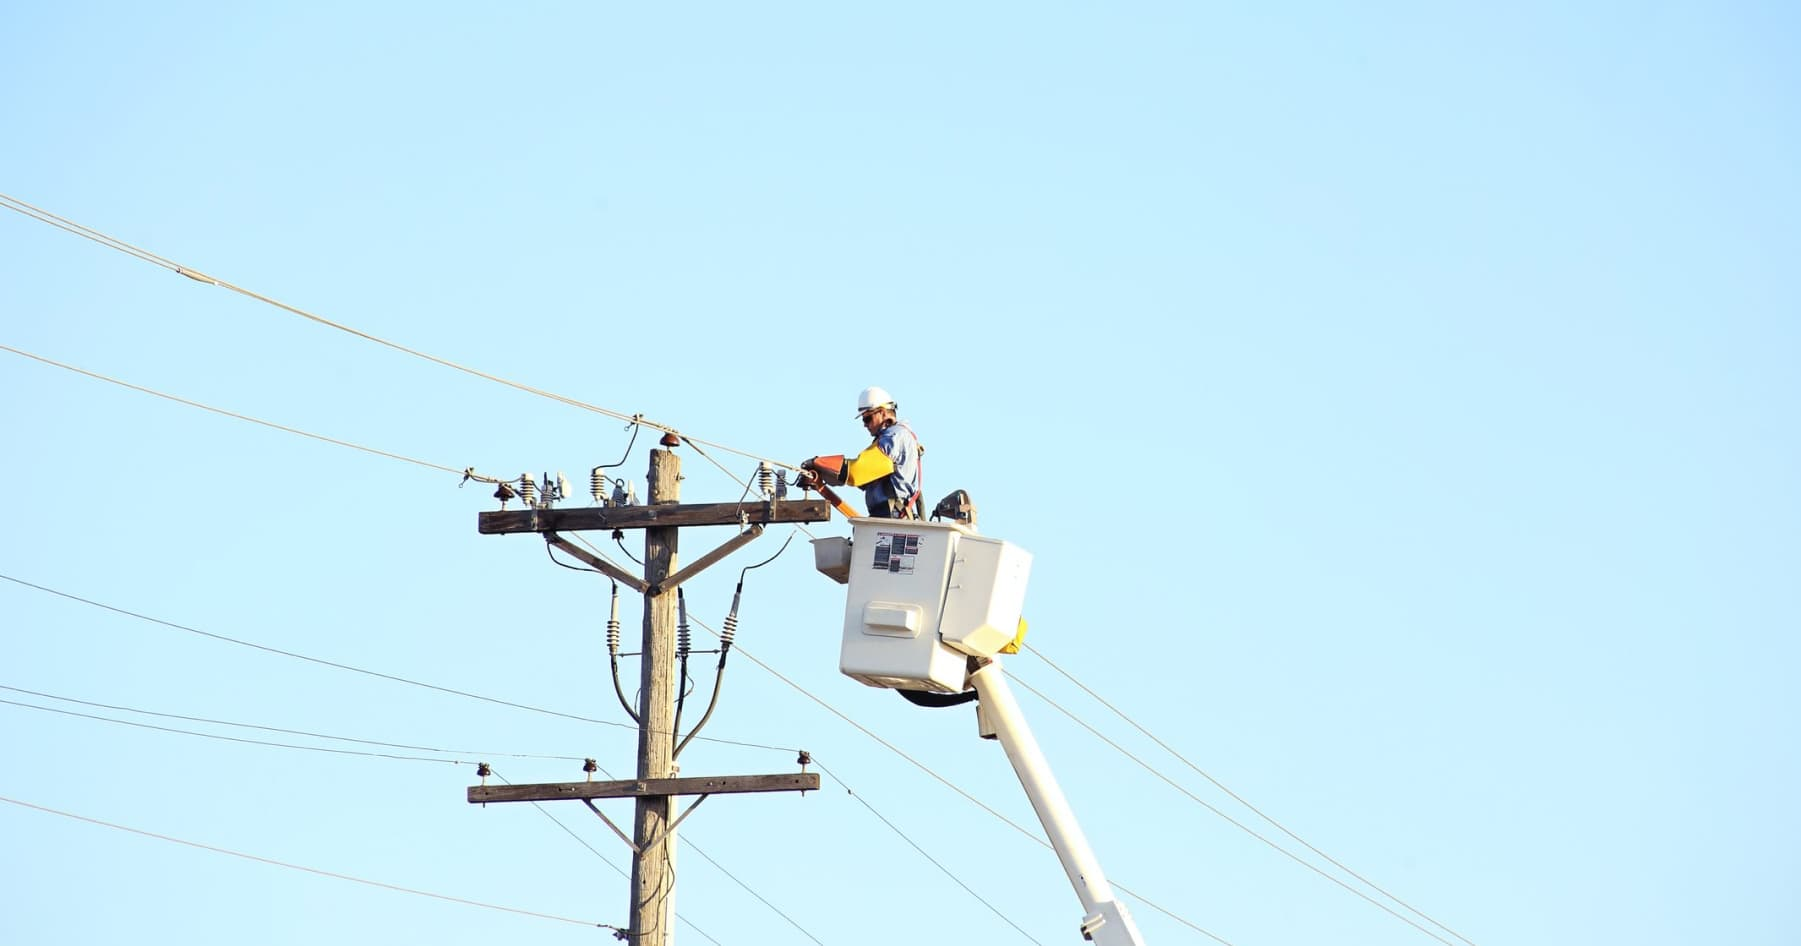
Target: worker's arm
828, 470
870, 465
867, 467
814, 474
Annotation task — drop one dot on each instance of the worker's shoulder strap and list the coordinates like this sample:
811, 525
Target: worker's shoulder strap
914, 506
903, 425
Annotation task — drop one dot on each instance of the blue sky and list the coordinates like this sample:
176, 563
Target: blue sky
1398, 402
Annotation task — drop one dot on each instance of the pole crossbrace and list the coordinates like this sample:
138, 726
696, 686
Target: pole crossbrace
605, 567
603, 816
699, 565
669, 830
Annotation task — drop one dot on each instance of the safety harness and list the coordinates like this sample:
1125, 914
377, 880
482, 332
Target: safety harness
919, 478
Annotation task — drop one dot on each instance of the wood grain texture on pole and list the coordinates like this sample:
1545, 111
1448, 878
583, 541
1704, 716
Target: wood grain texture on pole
652, 881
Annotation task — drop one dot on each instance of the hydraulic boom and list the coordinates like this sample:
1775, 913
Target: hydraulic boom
929, 607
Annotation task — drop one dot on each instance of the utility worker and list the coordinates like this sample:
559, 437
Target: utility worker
890, 474
888, 470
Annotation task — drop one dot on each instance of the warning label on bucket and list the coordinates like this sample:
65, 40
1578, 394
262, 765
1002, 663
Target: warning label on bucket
895, 552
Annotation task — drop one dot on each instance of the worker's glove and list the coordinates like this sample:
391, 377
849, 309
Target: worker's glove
807, 478
831, 472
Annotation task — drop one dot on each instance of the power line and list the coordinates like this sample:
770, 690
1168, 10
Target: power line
1283, 828
1234, 821
891, 747
603, 859
752, 891
373, 673
1235, 796
281, 745
362, 671
466, 694
277, 729
315, 660
923, 852
943, 780
749, 656
301, 867
252, 742
383, 755
635, 419
44, 216
687, 841
232, 414
467, 472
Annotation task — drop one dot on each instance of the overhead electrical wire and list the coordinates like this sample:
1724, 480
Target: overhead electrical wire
1034, 651
571, 831
923, 852
634, 419
351, 752
70, 226
798, 527
741, 576
277, 729
373, 673
223, 738
553, 558
336, 665
267, 743
1216, 783
551, 551
1234, 821
603, 859
724, 643
689, 843
301, 867
891, 747
232, 414
778, 675
953, 786
466, 472
315, 660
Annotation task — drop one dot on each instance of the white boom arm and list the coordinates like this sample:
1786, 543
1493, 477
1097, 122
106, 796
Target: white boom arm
1106, 921
925, 598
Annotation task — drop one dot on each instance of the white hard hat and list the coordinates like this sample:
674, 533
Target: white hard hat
873, 397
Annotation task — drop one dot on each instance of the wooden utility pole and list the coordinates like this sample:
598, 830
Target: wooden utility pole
656, 787
651, 869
